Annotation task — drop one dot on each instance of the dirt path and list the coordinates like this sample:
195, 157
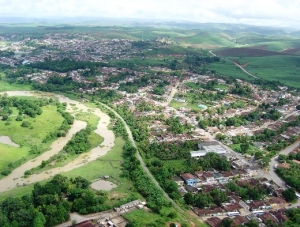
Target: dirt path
171, 95
238, 65
15, 178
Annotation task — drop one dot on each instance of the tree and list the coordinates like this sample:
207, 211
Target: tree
25, 124
189, 198
289, 195
258, 155
251, 224
226, 222
39, 220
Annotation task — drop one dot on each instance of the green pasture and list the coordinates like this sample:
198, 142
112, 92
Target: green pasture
90, 118
227, 68
11, 154
5, 86
275, 68
49, 121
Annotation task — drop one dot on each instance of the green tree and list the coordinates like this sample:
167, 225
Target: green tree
226, 222
39, 220
289, 195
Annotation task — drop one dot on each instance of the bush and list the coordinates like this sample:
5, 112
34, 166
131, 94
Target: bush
5, 172
25, 124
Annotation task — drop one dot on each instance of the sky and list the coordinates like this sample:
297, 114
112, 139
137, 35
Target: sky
273, 13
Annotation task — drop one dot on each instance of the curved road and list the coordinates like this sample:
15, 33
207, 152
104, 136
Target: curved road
141, 159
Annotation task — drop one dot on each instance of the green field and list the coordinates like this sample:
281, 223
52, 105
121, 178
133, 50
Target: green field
90, 118
109, 164
5, 86
49, 121
227, 68
145, 218
278, 68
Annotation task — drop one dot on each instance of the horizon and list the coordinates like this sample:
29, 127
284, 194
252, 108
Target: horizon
255, 13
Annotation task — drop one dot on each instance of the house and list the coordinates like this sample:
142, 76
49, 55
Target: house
281, 217
243, 173
267, 217
211, 211
256, 205
191, 189
239, 221
227, 175
233, 207
219, 177
178, 180
189, 179
252, 171
276, 201
214, 221
209, 178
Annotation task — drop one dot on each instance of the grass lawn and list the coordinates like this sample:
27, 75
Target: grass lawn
90, 118
5, 86
145, 217
11, 154
251, 151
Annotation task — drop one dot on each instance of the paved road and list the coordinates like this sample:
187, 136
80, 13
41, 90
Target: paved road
274, 162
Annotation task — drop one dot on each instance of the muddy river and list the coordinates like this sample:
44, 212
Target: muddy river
15, 178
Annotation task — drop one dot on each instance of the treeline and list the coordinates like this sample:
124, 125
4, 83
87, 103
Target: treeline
169, 151
65, 65
210, 160
105, 96
138, 127
176, 127
200, 60
58, 83
79, 143
291, 175
145, 186
247, 192
202, 200
65, 126
49, 205
6, 53
29, 107
160, 88
241, 90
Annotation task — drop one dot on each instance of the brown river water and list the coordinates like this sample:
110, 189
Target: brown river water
15, 178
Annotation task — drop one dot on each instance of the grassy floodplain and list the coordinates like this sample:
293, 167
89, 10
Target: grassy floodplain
49, 121
109, 164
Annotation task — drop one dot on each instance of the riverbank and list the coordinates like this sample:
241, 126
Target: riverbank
16, 179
